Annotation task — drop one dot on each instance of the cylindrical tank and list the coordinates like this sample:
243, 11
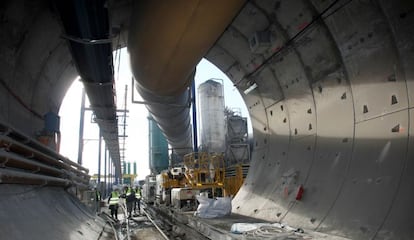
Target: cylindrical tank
135, 168
124, 167
158, 149
211, 108
236, 129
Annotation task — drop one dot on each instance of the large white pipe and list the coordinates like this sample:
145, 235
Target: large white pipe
166, 41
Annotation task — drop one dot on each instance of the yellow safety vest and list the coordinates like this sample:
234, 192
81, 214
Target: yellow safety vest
114, 198
98, 196
138, 193
128, 191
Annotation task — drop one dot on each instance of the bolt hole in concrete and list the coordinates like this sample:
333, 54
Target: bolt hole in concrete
365, 109
396, 128
394, 100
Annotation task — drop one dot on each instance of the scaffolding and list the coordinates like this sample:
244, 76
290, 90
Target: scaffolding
122, 121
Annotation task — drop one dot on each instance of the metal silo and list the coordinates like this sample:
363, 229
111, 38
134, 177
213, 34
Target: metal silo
158, 147
211, 109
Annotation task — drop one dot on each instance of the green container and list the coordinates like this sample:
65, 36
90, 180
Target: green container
158, 148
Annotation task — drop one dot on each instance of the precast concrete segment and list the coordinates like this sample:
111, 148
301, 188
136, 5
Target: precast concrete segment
336, 119
38, 213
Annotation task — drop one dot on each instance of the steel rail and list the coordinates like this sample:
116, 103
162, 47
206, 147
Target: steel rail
155, 225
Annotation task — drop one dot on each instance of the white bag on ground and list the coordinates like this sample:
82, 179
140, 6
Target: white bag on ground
240, 228
211, 208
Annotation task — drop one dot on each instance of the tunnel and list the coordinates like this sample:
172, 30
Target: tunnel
328, 85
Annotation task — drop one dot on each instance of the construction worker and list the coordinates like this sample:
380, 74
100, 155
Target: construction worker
97, 200
137, 200
113, 201
130, 200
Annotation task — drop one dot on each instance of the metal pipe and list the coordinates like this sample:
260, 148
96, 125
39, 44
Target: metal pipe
105, 176
193, 100
166, 41
99, 156
21, 148
16, 161
155, 225
81, 124
16, 176
26, 143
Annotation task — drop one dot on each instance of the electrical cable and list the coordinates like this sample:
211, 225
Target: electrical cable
276, 233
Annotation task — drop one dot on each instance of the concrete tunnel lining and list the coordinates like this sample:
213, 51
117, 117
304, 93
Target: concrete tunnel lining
46, 213
308, 116
323, 113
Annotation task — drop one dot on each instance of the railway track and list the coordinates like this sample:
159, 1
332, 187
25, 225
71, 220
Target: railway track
169, 227
151, 224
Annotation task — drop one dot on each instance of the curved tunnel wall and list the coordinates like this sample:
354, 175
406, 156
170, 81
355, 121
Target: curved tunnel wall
35, 69
332, 113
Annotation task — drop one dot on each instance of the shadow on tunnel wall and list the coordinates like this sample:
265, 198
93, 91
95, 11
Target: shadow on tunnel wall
358, 188
40, 212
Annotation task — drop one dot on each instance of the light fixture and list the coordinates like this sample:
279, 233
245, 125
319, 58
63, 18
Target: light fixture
251, 88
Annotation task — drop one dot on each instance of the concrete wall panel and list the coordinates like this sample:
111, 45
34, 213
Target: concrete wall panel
220, 57
238, 46
333, 151
268, 87
244, 24
373, 179
31, 212
402, 27
403, 203
356, 56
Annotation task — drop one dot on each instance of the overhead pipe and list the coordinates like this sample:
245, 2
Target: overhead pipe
10, 136
8, 159
19, 177
166, 41
23, 160
86, 28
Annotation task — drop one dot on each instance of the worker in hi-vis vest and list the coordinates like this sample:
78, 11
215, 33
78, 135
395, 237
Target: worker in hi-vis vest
129, 200
97, 200
113, 201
